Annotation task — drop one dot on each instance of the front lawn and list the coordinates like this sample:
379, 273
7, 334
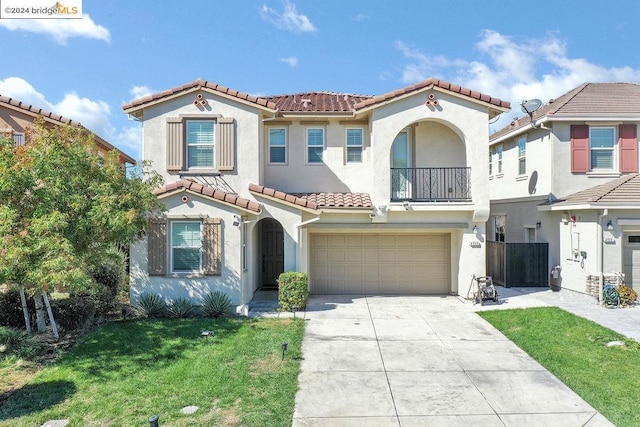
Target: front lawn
574, 350
125, 372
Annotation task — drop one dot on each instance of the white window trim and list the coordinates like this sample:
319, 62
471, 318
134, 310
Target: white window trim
286, 146
187, 145
171, 247
307, 146
346, 145
491, 154
522, 156
499, 153
613, 149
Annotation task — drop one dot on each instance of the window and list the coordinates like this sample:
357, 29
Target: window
491, 153
200, 144
186, 247
499, 149
354, 145
18, 139
522, 156
315, 145
530, 235
602, 141
499, 222
277, 145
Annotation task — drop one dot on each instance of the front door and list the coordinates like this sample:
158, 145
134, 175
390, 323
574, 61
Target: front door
272, 253
631, 260
400, 163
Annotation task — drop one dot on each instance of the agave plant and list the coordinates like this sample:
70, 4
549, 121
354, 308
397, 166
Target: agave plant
216, 304
180, 308
151, 305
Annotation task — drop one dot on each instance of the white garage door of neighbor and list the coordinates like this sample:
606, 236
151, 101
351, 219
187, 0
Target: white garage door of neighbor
631, 263
380, 264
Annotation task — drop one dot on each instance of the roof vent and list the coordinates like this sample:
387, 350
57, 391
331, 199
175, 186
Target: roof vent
305, 102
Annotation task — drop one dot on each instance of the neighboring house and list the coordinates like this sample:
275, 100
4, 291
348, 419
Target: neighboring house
560, 176
368, 194
16, 117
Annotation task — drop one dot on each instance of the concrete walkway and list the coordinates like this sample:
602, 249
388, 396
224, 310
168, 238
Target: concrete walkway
413, 361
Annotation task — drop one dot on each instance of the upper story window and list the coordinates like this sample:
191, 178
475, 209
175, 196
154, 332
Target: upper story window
499, 151
277, 145
315, 145
601, 144
522, 156
492, 151
186, 247
200, 144
354, 145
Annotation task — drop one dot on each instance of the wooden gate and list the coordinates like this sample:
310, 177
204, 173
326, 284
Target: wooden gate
518, 264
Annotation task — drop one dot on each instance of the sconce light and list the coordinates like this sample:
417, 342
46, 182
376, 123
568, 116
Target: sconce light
538, 224
475, 230
610, 225
372, 215
236, 220
565, 218
405, 205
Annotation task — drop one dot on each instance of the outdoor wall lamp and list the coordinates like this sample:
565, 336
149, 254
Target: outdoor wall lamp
236, 220
475, 230
538, 224
610, 225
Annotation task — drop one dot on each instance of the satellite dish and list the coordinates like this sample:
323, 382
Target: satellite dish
530, 106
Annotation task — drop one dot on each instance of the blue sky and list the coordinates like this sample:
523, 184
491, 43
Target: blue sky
514, 50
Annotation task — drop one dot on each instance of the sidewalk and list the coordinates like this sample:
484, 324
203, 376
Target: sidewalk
625, 321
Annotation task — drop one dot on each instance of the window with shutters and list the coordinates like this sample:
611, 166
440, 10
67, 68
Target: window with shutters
277, 146
201, 143
601, 144
354, 145
185, 247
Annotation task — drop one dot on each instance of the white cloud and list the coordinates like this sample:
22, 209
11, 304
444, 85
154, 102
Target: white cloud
138, 92
289, 19
292, 61
129, 140
513, 70
20, 89
61, 30
93, 115
361, 17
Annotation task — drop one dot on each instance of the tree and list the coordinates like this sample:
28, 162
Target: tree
62, 205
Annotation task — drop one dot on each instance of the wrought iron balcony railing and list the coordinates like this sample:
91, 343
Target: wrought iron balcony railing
431, 184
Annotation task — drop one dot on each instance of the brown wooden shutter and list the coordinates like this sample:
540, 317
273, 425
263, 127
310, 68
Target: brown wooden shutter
628, 144
579, 148
157, 247
212, 247
175, 144
226, 144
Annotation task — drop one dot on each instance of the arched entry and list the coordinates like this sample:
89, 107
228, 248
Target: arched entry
272, 253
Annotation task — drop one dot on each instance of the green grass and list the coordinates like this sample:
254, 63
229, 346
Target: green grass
127, 371
574, 350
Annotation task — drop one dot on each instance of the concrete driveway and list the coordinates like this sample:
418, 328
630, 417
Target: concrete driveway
416, 361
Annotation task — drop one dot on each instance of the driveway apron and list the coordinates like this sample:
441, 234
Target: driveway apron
416, 361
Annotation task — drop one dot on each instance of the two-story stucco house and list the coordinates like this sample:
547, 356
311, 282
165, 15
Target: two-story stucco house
566, 175
367, 194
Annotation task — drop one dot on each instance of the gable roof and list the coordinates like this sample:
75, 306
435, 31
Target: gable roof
33, 111
209, 192
434, 83
316, 201
622, 191
135, 105
589, 100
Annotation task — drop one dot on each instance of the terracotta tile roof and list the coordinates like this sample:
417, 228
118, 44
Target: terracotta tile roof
621, 191
318, 200
35, 111
200, 83
432, 82
210, 192
317, 102
592, 100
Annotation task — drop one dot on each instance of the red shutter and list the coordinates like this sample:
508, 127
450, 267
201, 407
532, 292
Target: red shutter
628, 144
579, 148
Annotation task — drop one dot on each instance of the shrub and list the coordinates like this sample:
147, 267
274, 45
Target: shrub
103, 302
216, 304
151, 305
627, 295
293, 290
74, 312
11, 308
14, 342
181, 308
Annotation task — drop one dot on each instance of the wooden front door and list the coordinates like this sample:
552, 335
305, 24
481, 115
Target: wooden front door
272, 253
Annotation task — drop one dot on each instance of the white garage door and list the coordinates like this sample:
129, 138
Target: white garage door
631, 263
380, 264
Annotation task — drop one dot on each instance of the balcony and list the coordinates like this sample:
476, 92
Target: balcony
431, 184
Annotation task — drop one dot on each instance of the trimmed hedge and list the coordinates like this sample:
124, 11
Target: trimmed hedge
293, 290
